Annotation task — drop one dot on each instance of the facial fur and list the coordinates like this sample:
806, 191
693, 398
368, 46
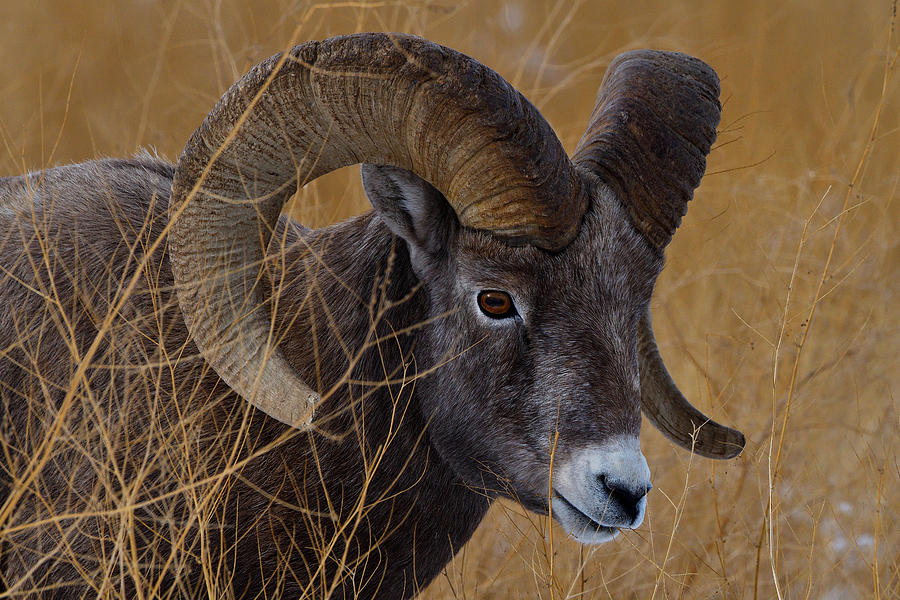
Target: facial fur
565, 363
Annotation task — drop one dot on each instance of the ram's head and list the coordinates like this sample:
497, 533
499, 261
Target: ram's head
538, 268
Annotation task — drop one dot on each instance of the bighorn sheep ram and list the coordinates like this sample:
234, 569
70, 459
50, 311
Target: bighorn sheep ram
484, 332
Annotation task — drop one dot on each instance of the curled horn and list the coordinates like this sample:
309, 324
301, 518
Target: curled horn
670, 412
652, 126
381, 98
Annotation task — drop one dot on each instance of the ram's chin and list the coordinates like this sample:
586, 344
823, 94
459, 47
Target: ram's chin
578, 525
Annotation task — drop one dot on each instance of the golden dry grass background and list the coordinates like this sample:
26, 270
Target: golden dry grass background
777, 311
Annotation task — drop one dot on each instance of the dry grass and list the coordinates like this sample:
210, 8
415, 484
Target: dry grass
777, 310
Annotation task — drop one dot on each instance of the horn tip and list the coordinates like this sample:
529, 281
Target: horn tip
730, 444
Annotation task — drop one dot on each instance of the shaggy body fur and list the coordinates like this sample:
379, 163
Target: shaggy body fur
88, 240
400, 471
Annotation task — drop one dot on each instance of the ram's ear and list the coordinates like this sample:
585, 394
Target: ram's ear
413, 209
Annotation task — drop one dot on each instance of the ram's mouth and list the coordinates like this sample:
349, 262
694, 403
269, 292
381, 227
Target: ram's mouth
579, 525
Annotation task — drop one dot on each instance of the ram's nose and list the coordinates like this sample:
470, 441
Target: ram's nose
626, 494
602, 488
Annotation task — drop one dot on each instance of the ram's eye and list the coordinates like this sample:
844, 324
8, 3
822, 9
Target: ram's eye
496, 304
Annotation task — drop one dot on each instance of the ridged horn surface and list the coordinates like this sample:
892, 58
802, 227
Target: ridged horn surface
670, 412
653, 124
379, 98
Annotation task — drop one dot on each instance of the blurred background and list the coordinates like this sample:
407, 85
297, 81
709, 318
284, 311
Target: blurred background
777, 311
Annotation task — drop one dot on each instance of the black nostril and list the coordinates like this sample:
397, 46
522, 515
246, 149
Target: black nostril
628, 497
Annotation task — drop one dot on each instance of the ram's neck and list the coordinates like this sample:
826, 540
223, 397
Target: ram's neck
349, 312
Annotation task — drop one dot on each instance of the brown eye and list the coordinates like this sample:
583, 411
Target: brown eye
495, 304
